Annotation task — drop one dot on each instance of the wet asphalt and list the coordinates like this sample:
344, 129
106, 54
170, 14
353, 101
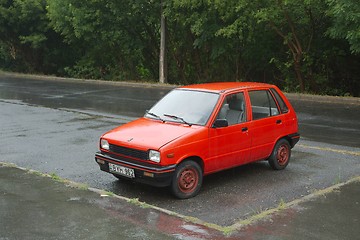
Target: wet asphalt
36, 207
33, 206
53, 126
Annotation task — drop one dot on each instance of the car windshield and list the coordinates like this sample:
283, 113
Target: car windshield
186, 106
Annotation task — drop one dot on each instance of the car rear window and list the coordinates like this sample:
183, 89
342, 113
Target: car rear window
282, 105
262, 104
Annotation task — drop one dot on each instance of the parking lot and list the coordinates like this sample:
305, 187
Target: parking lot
53, 126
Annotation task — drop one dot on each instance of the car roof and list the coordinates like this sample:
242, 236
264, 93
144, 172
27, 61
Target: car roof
218, 87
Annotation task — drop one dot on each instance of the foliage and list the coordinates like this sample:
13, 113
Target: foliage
27, 42
21, 40
304, 45
120, 42
345, 15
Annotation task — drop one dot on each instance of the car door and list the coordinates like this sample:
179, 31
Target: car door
229, 146
266, 123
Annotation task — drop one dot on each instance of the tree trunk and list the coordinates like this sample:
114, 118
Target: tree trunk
162, 60
297, 68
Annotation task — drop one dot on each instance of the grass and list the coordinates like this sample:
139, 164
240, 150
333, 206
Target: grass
282, 204
136, 202
257, 210
107, 193
338, 177
55, 177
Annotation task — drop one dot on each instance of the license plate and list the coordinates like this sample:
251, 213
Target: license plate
124, 171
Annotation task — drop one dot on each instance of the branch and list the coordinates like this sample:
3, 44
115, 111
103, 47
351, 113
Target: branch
312, 29
297, 44
290, 44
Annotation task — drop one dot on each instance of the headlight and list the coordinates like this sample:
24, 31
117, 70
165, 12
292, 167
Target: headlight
104, 144
154, 156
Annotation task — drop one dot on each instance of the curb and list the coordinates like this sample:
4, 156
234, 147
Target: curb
93, 81
226, 230
323, 98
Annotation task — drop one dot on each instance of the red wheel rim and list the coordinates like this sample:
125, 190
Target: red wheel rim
188, 180
282, 155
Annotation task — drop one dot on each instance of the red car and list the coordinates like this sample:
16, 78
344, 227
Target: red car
200, 129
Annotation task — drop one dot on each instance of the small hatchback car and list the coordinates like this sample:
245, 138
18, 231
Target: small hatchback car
201, 129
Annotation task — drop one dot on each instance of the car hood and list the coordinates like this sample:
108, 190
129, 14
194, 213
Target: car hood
147, 134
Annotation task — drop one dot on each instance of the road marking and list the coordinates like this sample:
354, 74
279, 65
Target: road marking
228, 230
355, 153
263, 215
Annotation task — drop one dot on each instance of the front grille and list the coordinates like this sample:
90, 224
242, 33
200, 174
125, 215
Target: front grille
129, 152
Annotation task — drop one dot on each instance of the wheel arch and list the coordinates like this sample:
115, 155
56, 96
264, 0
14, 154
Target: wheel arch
292, 139
287, 138
196, 159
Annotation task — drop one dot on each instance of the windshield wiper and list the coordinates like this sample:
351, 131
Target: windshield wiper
154, 115
177, 118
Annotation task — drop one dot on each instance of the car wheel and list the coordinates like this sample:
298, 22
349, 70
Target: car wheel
281, 154
187, 180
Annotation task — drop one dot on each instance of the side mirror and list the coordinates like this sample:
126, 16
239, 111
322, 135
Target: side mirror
219, 123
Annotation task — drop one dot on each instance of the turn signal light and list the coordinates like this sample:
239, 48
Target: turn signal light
147, 174
100, 161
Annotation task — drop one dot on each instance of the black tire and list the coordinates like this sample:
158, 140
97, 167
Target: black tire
187, 180
280, 156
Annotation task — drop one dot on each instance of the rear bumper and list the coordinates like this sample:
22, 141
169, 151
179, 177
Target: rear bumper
159, 176
294, 139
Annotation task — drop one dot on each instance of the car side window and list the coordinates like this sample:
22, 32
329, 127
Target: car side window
233, 109
282, 105
262, 104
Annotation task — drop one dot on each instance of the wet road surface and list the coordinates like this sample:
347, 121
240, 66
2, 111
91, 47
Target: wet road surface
64, 210
329, 120
91, 96
335, 215
54, 126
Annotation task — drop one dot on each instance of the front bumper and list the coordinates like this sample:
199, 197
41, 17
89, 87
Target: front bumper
159, 176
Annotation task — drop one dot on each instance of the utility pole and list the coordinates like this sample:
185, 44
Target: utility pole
162, 60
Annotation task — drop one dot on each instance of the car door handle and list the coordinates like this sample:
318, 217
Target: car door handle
278, 121
244, 129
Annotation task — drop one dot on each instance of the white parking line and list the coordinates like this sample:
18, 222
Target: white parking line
355, 153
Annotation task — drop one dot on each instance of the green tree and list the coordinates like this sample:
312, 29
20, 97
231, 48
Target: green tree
120, 38
345, 16
23, 28
296, 23
205, 44
27, 42
306, 45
